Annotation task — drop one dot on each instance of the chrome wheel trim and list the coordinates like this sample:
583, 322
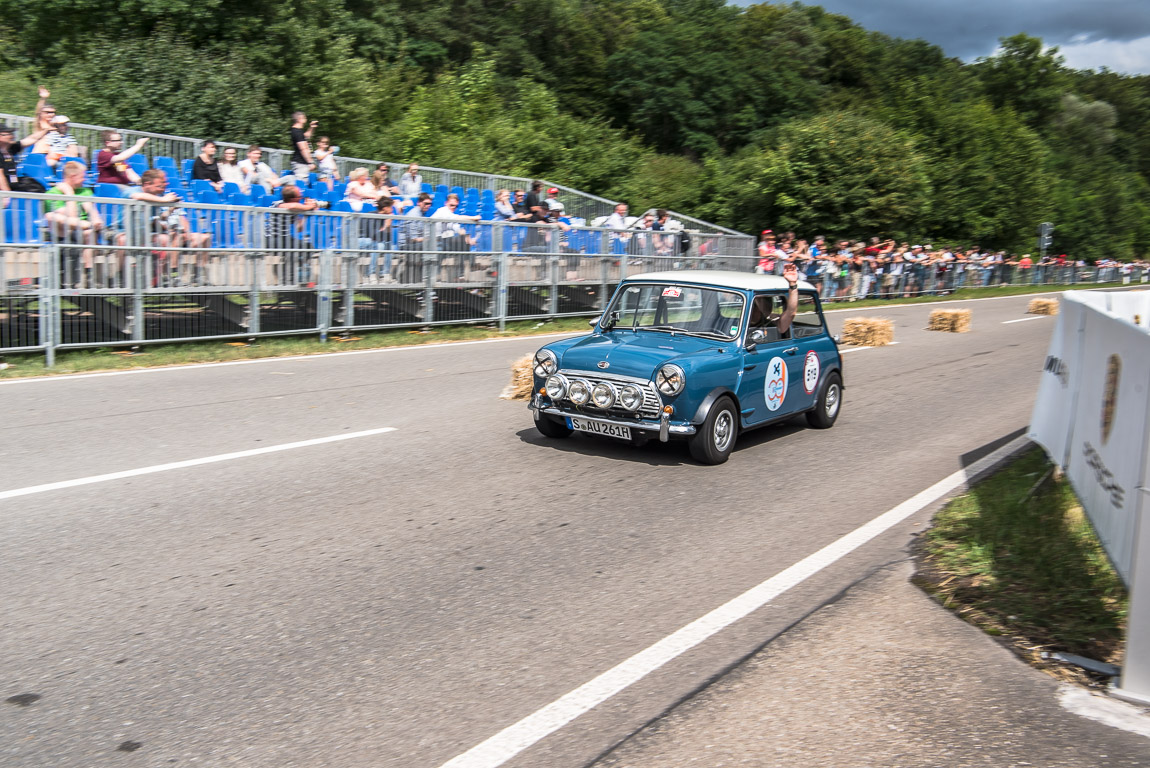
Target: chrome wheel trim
832, 400
723, 430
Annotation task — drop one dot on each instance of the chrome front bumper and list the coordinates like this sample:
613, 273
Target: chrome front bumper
663, 426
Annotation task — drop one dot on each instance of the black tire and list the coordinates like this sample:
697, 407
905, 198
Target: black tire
829, 403
716, 436
550, 427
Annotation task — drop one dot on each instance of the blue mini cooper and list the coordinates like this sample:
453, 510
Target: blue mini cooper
695, 355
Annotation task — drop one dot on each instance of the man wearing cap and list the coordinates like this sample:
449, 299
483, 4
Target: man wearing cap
61, 143
10, 149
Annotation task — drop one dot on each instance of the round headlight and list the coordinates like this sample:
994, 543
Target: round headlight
556, 386
631, 397
579, 392
670, 379
603, 395
545, 363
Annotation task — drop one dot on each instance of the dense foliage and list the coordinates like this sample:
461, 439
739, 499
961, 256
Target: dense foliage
775, 114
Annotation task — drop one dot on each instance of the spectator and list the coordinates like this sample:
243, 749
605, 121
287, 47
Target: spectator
504, 211
206, 168
378, 236
325, 156
519, 203
552, 194
383, 181
60, 143
74, 222
663, 244
452, 236
283, 233
413, 236
618, 221
44, 111
255, 171
411, 183
230, 172
768, 256
302, 162
10, 149
360, 190
534, 200
110, 165
169, 228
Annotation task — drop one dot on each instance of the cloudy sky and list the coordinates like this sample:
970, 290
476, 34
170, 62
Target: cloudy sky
1089, 33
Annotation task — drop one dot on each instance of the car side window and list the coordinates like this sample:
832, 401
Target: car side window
808, 321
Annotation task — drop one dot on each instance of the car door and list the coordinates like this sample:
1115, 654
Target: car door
771, 378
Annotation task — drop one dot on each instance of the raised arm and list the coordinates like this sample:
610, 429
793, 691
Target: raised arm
130, 151
791, 273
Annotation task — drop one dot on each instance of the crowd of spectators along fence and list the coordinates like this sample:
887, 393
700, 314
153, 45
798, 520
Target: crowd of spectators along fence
884, 269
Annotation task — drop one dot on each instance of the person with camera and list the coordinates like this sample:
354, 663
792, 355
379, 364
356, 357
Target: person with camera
170, 228
10, 149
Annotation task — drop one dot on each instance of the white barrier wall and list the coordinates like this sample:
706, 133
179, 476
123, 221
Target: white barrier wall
1092, 416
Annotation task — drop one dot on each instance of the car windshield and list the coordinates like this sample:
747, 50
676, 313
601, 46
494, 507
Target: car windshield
670, 308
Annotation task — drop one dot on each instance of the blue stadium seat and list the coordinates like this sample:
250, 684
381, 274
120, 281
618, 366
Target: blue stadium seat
457, 191
209, 195
440, 190
167, 165
427, 188
20, 222
108, 190
487, 195
186, 170
138, 162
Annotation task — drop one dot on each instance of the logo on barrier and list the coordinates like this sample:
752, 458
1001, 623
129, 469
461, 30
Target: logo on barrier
1110, 395
775, 388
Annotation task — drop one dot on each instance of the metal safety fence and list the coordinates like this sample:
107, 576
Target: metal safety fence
842, 282
85, 271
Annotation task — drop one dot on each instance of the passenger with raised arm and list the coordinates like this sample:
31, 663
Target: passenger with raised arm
762, 307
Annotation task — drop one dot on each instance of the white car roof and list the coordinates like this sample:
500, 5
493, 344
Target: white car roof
745, 281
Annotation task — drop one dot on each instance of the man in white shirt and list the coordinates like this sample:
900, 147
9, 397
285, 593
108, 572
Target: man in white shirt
256, 172
451, 235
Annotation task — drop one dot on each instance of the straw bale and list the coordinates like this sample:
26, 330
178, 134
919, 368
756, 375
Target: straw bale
949, 320
521, 380
868, 331
1042, 307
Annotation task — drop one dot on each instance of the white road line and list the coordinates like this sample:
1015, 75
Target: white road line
860, 349
512, 740
188, 463
1024, 319
293, 358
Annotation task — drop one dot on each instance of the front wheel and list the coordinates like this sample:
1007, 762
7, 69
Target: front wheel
713, 442
829, 404
549, 427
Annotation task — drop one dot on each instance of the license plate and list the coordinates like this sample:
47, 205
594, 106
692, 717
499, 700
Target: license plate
599, 428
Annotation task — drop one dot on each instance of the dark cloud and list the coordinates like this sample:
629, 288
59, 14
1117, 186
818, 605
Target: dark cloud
972, 28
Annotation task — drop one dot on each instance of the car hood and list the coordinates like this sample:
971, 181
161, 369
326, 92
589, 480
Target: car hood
629, 353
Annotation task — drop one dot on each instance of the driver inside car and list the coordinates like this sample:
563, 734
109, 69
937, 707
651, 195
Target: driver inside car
761, 308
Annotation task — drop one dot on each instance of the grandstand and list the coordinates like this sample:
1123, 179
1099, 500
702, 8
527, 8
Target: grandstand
224, 264
175, 155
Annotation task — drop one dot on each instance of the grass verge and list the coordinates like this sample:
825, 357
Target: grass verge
1026, 567
187, 353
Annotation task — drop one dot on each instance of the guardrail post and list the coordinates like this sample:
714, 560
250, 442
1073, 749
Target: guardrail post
430, 264
499, 260
553, 271
49, 320
323, 294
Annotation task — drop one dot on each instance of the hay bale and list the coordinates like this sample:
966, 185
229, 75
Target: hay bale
522, 380
868, 331
1042, 307
949, 320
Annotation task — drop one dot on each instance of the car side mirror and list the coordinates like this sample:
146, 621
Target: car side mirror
755, 338
837, 338
592, 322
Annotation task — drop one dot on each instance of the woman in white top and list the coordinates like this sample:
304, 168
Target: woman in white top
325, 156
360, 190
230, 169
411, 183
503, 208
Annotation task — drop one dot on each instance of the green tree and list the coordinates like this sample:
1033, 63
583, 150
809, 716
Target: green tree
1025, 77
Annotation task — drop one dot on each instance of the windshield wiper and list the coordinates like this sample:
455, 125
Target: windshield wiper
671, 328
709, 334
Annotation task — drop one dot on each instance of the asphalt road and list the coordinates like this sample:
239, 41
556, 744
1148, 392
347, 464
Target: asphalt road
397, 598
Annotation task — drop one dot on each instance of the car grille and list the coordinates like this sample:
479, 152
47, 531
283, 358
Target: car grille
652, 403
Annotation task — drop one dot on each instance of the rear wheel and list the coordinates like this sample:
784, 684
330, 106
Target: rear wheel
548, 426
829, 404
713, 442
